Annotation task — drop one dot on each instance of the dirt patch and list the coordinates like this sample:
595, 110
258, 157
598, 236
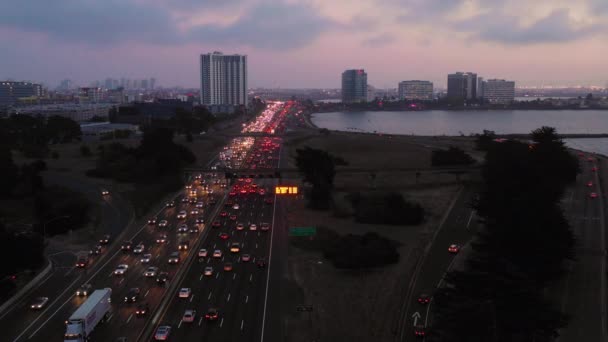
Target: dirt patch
361, 304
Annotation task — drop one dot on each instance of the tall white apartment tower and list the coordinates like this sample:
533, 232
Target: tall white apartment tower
223, 79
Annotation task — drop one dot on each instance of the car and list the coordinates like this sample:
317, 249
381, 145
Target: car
142, 309
97, 249
189, 316
199, 205
261, 263
200, 220
202, 253
210, 191
590, 159
132, 295
184, 200
232, 217
105, 239
223, 236
268, 200
126, 246
82, 262
232, 194
151, 272
212, 201
162, 333
419, 330
185, 292
594, 169
163, 223
593, 195
217, 253
183, 245
236, 206
139, 249
212, 314
235, 247
39, 303
240, 226
162, 278
228, 267
589, 184
188, 186
253, 226
245, 258
182, 228
121, 269
264, 226
105, 192
454, 249
173, 258
262, 192
161, 238
216, 224
229, 203
208, 271
146, 258
84, 290
194, 212
182, 215
193, 229
152, 221
170, 204
424, 298
223, 214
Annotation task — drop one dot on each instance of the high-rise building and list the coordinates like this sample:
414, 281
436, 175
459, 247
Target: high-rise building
152, 82
354, 86
108, 83
480, 83
415, 90
144, 84
65, 85
223, 79
11, 91
90, 95
462, 85
499, 91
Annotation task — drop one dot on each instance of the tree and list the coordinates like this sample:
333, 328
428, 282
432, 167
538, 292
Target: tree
85, 151
319, 169
9, 172
484, 140
63, 130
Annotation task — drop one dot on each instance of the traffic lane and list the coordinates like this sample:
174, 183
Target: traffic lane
458, 228
121, 285
582, 295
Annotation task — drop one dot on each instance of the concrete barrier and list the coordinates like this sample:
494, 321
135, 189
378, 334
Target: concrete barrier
27, 287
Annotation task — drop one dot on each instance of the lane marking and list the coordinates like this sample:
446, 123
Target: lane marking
242, 322
233, 276
180, 324
470, 218
146, 294
191, 298
269, 260
129, 319
227, 300
246, 299
217, 275
209, 296
222, 322
200, 321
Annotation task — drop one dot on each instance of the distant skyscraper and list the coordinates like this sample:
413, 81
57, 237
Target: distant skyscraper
480, 83
108, 83
354, 86
415, 90
462, 86
11, 91
499, 91
152, 83
90, 95
223, 79
144, 84
65, 84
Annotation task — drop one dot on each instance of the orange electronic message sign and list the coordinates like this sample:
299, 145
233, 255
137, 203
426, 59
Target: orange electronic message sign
286, 190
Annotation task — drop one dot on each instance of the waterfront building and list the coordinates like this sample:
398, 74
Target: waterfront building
499, 91
223, 79
415, 90
462, 85
11, 91
354, 86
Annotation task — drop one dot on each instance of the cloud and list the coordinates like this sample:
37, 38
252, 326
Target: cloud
554, 28
421, 10
380, 40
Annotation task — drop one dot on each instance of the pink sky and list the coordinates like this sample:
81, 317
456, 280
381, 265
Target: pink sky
307, 43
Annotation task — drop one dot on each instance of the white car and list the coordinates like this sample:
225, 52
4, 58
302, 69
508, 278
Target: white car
139, 248
39, 303
217, 253
253, 227
199, 205
163, 223
183, 228
194, 212
162, 333
182, 215
236, 206
185, 292
146, 258
151, 272
208, 271
210, 191
189, 316
240, 226
202, 253
121, 269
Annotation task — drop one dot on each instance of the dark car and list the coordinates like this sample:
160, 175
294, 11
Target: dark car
132, 295
142, 309
212, 314
127, 246
183, 245
162, 278
97, 249
170, 204
420, 331
424, 298
82, 262
105, 239
216, 224
261, 262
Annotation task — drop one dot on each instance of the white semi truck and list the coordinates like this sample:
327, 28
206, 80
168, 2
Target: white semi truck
94, 310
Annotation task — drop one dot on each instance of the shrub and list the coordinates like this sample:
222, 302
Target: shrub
390, 208
452, 156
362, 251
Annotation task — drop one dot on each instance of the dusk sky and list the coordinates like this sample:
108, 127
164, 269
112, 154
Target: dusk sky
306, 43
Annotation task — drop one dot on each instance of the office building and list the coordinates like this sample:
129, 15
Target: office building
65, 85
499, 91
90, 95
462, 85
354, 86
415, 90
480, 87
223, 79
11, 91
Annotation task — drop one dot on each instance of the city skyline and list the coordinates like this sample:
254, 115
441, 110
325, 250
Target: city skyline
302, 44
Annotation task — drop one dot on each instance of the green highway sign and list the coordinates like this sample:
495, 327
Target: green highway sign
302, 231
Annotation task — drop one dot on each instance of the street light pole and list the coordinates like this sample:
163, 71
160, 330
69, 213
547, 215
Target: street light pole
49, 221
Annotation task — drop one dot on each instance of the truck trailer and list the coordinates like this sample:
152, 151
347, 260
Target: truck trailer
94, 310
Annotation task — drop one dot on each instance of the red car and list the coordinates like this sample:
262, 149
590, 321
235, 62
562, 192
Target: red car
594, 169
268, 200
216, 224
223, 214
424, 299
454, 249
420, 330
232, 193
212, 314
224, 236
233, 217
593, 195
590, 184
